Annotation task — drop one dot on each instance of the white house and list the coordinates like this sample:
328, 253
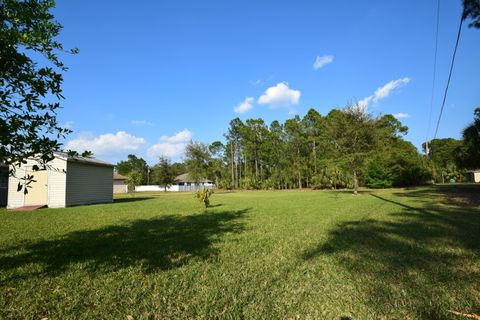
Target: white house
119, 185
183, 183
66, 181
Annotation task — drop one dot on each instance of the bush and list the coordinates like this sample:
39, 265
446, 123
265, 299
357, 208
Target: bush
378, 176
204, 196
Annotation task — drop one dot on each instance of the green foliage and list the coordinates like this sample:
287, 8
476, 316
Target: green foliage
332, 178
178, 168
471, 10
317, 151
354, 135
204, 195
162, 173
133, 163
28, 122
84, 154
469, 152
197, 160
378, 176
134, 178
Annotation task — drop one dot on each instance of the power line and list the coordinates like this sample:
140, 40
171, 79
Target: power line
434, 76
449, 75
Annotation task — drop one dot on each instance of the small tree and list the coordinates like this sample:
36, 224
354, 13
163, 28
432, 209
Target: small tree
163, 173
204, 196
134, 178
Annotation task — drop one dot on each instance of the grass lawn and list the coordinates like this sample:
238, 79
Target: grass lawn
388, 254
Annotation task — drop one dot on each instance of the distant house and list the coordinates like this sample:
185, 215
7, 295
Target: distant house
65, 181
473, 176
183, 183
119, 185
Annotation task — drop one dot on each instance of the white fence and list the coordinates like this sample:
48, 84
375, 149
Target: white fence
175, 187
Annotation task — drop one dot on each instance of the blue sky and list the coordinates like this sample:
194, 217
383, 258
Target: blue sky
151, 75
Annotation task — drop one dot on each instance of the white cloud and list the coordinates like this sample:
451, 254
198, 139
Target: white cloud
182, 136
68, 125
107, 144
383, 92
244, 106
401, 115
280, 96
170, 146
322, 61
142, 123
166, 149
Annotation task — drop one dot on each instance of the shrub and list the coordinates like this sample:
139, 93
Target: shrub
204, 196
378, 176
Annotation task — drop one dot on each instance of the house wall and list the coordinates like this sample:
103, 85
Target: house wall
55, 179
476, 177
88, 183
119, 186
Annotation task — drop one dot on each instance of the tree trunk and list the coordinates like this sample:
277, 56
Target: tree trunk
261, 171
233, 170
246, 161
256, 165
315, 157
239, 171
355, 182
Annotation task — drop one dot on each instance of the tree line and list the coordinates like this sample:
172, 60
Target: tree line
296, 153
346, 148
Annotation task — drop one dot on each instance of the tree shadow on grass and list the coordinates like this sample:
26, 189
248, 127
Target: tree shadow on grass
453, 194
155, 244
422, 257
131, 199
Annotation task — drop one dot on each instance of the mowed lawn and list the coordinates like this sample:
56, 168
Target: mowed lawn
388, 254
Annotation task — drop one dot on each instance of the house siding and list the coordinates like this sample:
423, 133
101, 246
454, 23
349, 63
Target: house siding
57, 180
88, 183
56, 184
119, 186
15, 198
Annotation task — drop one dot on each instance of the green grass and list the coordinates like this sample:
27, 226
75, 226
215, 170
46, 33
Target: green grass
391, 254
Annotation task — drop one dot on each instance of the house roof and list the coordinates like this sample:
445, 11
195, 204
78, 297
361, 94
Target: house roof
65, 156
186, 178
117, 176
